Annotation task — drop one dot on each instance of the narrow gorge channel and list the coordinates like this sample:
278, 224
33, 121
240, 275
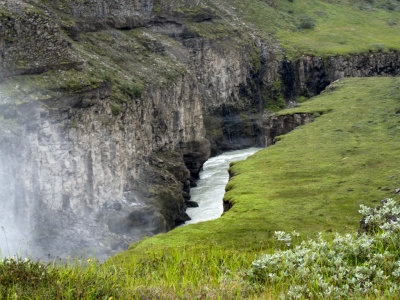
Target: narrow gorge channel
210, 188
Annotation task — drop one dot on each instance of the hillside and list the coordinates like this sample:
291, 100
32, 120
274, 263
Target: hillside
316, 177
313, 180
108, 110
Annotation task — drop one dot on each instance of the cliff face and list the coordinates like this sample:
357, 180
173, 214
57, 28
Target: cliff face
109, 109
100, 162
309, 75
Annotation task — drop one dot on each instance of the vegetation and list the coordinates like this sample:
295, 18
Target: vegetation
348, 266
313, 180
323, 27
49, 85
26, 279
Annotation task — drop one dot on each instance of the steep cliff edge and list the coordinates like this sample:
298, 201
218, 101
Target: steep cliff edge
110, 108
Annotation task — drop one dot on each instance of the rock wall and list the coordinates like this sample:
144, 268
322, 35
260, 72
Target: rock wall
30, 41
309, 75
277, 125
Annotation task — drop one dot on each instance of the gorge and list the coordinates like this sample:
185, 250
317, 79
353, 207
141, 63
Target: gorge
108, 110
210, 188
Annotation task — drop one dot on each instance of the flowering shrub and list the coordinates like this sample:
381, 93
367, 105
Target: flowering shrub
350, 265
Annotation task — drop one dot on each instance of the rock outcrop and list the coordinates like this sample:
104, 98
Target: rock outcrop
277, 125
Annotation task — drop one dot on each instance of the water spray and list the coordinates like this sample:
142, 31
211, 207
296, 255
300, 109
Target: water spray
5, 237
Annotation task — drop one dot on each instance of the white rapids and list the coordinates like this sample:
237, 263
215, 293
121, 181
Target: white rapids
210, 188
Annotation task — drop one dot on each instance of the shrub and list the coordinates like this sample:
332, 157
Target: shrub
350, 265
306, 22
133, 90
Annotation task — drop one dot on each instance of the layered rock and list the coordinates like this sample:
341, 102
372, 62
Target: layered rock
31, 41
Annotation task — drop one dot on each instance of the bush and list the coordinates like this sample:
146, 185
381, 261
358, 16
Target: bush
350, 265
306, 22
134, 90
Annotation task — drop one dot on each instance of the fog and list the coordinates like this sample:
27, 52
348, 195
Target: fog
34, 220
14, 229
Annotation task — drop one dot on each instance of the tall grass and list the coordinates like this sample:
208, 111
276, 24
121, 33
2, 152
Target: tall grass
184, 273
351, 265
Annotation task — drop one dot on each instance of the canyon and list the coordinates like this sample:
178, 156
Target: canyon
108, 110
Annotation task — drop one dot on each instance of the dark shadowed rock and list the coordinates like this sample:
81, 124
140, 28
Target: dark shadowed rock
192, 204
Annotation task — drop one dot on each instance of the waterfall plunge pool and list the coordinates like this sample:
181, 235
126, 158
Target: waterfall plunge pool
210, 189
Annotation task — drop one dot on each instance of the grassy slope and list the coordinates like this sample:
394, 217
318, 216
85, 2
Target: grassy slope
340, 26
316, 177
340, 29
313, 180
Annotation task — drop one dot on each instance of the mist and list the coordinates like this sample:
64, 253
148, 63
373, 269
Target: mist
14, 232
45, 212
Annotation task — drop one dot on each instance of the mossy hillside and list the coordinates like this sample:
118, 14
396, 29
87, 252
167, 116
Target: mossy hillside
126, 60
138, 55
317, 27
49, 85
137, 58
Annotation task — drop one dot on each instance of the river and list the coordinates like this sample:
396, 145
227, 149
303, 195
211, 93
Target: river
210, 188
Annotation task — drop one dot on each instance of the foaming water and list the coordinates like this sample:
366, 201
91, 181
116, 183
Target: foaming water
210, 188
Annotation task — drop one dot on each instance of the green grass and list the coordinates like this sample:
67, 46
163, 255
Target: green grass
341, 27
316, 177
312, 180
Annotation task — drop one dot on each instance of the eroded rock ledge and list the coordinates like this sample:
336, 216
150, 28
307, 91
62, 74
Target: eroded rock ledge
310, 75
276, 126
